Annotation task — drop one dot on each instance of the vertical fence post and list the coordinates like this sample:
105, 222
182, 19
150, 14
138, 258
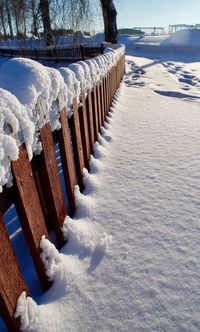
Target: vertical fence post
84, 130
89, 109
74, 125
107, 92
67, 159
29, 211
102, 102
110, 88
105, 95
12, 283
95, 112
49, 175
99, 107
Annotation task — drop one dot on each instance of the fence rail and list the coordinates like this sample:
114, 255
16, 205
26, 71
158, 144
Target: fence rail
69, 53
46, 210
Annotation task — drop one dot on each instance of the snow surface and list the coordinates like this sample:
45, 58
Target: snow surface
132, 262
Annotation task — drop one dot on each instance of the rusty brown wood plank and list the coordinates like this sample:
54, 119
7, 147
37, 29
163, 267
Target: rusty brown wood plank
29, 211
12, 283
49, 175
67, 159
102, 102
90, 120
109, 89
37, 166
104, 99
99, 107
74, 125
95, 112
107, 93
84, 131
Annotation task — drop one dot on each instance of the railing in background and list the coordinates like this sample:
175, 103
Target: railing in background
69, 53
37, 192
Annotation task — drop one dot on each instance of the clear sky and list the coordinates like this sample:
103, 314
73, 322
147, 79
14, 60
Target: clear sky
157, 12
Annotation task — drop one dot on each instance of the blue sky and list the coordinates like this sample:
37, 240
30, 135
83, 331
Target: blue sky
157, 12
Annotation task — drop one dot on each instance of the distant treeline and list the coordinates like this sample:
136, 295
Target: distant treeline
129, 31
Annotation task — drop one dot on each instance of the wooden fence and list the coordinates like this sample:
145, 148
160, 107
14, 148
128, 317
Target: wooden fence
69, 53
46, 210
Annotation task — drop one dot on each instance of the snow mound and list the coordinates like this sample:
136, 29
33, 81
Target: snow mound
15, 128
50, 257
187, 37
34, 80
27, 310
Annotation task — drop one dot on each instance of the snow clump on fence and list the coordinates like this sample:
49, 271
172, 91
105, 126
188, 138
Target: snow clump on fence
15, 128
35, 96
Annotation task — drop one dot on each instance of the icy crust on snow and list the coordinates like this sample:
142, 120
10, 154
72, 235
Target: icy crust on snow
35, 95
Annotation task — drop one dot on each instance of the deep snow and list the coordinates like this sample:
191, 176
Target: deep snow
132, 260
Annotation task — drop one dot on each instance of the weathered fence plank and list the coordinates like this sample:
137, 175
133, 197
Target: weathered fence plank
29, 211
12, 283
49, 176
84, 131
95, 112
66, 153
99, 107
90, 120
102, 103
74, 125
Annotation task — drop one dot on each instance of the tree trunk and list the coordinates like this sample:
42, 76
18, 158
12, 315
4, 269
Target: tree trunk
44, 7
34, 17
3, 21
9, 19
16, 17
109, 17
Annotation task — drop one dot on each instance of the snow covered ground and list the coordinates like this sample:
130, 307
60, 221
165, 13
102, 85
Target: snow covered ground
132, 262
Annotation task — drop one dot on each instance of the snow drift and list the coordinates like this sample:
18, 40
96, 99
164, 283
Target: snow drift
187, 37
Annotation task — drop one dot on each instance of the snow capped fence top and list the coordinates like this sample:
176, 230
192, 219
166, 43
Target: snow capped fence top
32, 95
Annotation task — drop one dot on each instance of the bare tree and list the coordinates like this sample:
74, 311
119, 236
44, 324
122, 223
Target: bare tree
44, 7
2, 16
109, 17
35, 15
8, 11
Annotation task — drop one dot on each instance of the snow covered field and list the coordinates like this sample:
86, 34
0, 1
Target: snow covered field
132, 262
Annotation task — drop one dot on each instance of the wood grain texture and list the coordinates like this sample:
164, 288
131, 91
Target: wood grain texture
74, 125
29, 211
95, 112
90, 120
52, 183
66, 153
12, 283
99, 107
84, 131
